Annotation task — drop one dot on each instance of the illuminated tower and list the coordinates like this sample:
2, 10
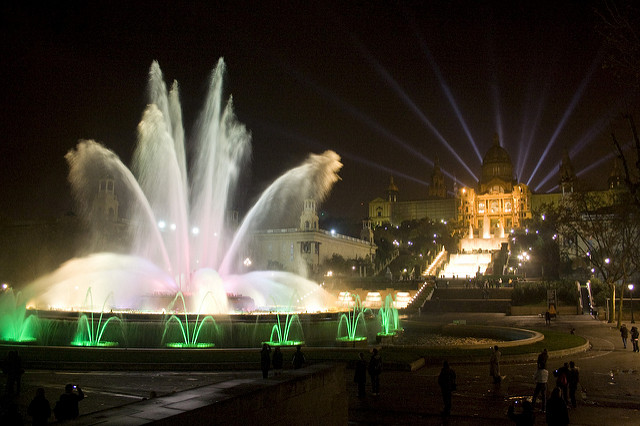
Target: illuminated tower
567, 175
392, 191
309, 216
616, 178
437, 189
105, 205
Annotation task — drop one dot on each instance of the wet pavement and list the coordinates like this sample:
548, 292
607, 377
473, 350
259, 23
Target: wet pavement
609, 376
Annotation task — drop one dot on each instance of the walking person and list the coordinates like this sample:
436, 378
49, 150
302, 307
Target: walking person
277, 361
634, 338
375, 368
547, 318
39, 409
574, 379
265, 360
494, 365
447, 383
360, 375
541, 378
624, 333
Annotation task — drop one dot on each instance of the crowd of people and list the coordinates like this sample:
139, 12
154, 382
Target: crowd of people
267, 362
39, 409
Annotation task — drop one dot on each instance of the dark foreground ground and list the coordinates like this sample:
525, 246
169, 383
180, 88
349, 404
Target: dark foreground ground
609, 392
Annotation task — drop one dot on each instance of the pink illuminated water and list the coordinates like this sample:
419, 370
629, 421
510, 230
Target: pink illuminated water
181, 239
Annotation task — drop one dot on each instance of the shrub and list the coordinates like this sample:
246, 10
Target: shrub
528, 294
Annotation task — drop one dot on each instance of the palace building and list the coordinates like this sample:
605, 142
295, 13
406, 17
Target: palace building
499, 202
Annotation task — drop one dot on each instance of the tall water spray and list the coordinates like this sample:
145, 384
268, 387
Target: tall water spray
180, 238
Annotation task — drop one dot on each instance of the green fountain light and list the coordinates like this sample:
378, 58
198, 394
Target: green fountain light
352, 327
190, 332
16, 326
90, 332
388, 317
288, 333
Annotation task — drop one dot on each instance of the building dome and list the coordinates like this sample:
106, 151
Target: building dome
496, 164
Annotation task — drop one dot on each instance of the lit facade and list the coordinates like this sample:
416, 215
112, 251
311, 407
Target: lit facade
305, 249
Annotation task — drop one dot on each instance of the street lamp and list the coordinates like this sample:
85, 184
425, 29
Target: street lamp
631, 293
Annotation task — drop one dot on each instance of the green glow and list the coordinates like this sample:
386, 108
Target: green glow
351, 339
190, 332
89, 333
94, 344
15, 325
280, 331
388, 316
284, 343
190, 345
352, 326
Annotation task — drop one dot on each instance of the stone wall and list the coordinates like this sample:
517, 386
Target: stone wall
314, 395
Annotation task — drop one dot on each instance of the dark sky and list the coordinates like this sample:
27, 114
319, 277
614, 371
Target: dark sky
387, 85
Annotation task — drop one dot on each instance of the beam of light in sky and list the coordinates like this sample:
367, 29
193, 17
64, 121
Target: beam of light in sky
530, 129
362, 117
598, 163
574, 102
447, 91
497, 107
592, 133
386, 76
609, 156
553, 172
295, 137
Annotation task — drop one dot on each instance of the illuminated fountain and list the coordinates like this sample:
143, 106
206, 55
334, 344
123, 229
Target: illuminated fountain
352, 327
16, 325
189, 333
90, 332
180, 238
389, 320
288, 333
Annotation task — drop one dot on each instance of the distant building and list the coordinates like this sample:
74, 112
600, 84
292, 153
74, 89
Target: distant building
436, 206
307, 248
499, 202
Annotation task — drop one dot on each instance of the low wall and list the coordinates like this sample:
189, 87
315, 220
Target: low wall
314, 395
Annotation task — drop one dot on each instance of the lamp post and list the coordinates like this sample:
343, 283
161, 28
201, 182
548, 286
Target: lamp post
630, 286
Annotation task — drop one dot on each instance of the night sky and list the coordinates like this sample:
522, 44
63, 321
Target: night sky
387, 85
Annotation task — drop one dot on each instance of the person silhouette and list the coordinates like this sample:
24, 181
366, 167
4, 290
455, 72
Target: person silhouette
265, 360
67, 406
360, 375
39, 408
277, 361
298, 358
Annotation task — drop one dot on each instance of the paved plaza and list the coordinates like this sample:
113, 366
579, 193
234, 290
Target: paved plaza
609, 393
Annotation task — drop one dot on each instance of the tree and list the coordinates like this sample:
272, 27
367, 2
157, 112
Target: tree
619, 27
604, 229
